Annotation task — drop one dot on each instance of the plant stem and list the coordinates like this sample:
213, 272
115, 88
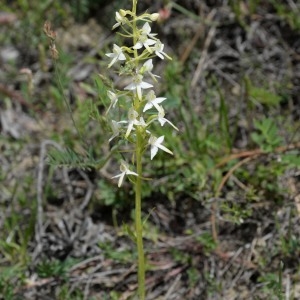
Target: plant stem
138, 183
138, 218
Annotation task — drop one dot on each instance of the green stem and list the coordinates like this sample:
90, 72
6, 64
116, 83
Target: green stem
138, 218
138, 183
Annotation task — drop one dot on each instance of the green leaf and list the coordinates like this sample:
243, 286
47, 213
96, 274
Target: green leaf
69, 158
292, 159
267, 136
264, 96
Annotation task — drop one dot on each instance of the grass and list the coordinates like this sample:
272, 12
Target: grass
236, 164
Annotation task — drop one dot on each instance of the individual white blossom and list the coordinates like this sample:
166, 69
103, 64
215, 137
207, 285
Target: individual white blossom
115, 129
153, 101
120, 18
142, 123
144, 41
132, 120
147, 68
138, 84
146, 38
124, 168
113, 100
156, 143
116, 55
146, 30
158, 49
161, 117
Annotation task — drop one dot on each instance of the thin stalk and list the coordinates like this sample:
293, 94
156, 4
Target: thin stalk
138, 183
138, 218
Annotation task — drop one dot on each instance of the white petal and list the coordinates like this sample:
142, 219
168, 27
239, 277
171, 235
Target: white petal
121, 56
171, 124
112, 62
162, 121
138, 45
130, 126
131, 173
149, 42
147, 106
145, 85
130, 87
159, 55
154, 150
159, 140
149, 65
116, 25
146, 28
139, 91
160, 99
121, 179
165, 149
118, 175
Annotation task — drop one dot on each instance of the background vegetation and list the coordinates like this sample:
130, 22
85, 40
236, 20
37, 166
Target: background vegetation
222, 214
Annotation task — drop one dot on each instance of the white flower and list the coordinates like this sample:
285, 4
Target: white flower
145, 38
120, 18
144, 41
158, 49
113, 100
116, 55
124, 168
132, 120
156, 143
161, 117
146, 30
147, 68
138, 84
115, 129
153, 101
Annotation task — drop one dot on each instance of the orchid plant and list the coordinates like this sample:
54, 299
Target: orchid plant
141, 105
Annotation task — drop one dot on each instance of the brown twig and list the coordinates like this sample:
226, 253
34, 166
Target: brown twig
208, 40
14, 95
254, 152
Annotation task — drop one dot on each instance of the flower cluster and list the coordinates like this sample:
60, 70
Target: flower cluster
144, 107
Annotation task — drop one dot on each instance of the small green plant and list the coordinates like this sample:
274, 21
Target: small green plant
11, 278
117, 255
273, 283
208, 242
53, 268
267, 136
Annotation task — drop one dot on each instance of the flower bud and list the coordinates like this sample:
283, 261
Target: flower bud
122, 12
154, 16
